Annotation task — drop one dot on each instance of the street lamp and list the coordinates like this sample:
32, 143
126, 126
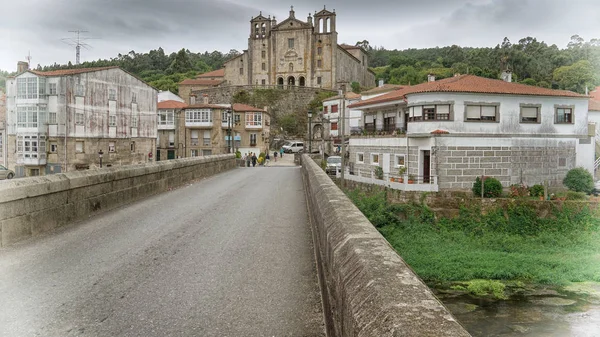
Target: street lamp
100, 153
309, 131
229, 143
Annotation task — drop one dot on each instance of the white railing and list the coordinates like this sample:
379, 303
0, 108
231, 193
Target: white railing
417, 183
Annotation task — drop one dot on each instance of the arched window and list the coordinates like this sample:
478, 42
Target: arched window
291, 68
263, 30
321, 23
291, 80
256, 31
301, 81
328, 25
280, 82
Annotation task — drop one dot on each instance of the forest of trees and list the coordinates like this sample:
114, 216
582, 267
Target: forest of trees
532, 62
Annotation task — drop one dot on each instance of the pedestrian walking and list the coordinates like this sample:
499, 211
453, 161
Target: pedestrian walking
281, 152
254, 159
267, 159
248, 159
275, 155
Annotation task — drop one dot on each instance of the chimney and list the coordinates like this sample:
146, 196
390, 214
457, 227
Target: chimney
380, 83
506, 76
205, 98
430, 78
192, 99
22, 67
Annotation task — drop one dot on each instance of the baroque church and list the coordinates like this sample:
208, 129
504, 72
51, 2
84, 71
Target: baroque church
298, 53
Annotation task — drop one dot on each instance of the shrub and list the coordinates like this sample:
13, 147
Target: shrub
378, 172
579, 180
572, 195
262, 155
487, 287
518, 190
238, 154
492, 188
536, 190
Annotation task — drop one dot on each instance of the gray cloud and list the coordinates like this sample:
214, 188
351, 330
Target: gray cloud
207, 25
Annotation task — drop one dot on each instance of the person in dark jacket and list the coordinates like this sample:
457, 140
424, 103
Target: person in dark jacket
254, 159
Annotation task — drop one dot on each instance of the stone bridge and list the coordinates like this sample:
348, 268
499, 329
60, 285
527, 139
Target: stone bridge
200, 247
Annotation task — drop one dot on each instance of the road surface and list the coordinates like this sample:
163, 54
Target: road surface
230, 255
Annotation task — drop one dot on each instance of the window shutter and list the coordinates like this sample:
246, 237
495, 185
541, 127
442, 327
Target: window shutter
194, 134
206, 134
488, 111
418, 111
529, 112
473, 112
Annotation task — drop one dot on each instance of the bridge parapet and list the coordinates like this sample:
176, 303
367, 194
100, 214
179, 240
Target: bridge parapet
368, 290
34, 205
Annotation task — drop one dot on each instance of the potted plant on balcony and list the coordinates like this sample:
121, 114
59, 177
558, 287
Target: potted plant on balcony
401, 172
411, 178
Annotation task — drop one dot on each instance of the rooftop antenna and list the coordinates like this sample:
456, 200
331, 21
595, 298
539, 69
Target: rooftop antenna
78, 41
28, 58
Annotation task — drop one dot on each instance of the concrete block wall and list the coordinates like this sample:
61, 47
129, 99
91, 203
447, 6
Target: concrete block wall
34, 205
368, 290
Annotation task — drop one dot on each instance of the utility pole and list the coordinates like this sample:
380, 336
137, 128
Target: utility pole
343, 125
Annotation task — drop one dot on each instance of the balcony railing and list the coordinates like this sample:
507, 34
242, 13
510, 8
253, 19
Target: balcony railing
403, 183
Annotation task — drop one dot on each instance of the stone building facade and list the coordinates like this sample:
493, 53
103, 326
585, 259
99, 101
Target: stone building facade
61, 120
298, 53
2, 128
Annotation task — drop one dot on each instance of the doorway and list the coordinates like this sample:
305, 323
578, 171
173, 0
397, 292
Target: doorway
426, 166
170, 154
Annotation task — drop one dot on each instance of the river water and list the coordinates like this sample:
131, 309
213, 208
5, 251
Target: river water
543, 313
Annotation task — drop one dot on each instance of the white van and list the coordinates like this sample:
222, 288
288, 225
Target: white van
293, 147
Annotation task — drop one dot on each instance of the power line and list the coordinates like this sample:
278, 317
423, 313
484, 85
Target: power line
78, 41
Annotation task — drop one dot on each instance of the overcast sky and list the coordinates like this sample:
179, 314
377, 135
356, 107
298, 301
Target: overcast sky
119, 26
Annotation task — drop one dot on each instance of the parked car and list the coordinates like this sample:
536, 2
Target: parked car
293, 147
6, 173
334, 165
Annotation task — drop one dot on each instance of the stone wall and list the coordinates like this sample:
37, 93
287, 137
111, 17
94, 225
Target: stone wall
367, 289
35, 205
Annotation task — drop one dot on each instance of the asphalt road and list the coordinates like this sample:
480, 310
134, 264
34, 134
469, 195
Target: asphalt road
230, 255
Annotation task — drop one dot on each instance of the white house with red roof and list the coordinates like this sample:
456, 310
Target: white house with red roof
61, 120
459, 128
594, 117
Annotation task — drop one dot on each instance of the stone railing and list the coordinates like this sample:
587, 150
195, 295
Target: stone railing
367, 289
34, 205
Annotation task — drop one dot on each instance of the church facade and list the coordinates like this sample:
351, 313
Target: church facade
298, 53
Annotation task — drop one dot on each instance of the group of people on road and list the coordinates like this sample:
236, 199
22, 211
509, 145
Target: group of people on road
251, 159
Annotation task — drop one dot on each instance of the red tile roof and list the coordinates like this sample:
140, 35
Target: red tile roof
65, 72
171, 105
594, 105
236, 106
470, 84
595, 95
384, 88
349, 95
205, 82
214, 73
205, 106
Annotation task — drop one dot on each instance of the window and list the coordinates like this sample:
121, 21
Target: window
34, 172
334, 109
79, 146
319, 80
21, 88
530, 114
481, 113
263, 54
194, 153
253, 118
52, 88
319, 64
263, 82
291, 43
334, 126
134, 121
325, 109
253, 139
436, 112
206, 152
198, 116
172, 139
194, 138
79, 117
319, 50
27, 88
132, 146
112, 94
79, 89
27, 116
564, 115
112, 120
241, 71
53, 147
52, 118
399, 160
264, 66
237, 140
111, 147
389, 123
166, 117
206, 139
133, 97
360, 158
236, 118
32, 87
375, 159
224, 117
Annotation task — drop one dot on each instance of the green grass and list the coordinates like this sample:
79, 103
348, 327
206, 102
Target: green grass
512, 244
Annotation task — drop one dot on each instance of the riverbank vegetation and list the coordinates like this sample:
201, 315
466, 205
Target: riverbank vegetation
511, 243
